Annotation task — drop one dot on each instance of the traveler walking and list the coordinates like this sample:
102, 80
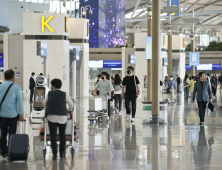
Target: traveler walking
166, 79
32, 86
216, 80
117, 94
11, 109
56, 113
220, 82
214, 85
105, 87
171, 88
192, 83
186, 84
131, 82
178, 80
97, 81
197, 77
112, 92
208, 80
202, 88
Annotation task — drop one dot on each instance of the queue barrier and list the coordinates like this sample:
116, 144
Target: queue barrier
147, 112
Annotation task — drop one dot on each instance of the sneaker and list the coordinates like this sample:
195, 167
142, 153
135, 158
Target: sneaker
120, 113
132, 120
128, 117
201, 123
116, 110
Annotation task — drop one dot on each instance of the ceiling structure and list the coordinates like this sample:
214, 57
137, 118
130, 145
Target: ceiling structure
209, 13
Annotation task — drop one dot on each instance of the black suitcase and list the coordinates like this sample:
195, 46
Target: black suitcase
18, 147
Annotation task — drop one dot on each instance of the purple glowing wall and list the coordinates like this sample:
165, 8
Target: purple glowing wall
107, 24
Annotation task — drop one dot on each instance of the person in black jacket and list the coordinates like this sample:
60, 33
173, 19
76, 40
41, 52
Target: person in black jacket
32, 86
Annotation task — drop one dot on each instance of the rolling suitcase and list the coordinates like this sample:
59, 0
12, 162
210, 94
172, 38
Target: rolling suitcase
18, 147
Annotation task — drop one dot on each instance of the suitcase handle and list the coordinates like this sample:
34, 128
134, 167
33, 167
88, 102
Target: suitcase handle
23, 127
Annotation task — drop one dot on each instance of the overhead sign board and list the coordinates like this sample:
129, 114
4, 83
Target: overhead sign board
112, 64
194, 58
105, 64
173, 3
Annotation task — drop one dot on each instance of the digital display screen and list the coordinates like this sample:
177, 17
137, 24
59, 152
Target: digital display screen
132, 59
39, 97
106, 24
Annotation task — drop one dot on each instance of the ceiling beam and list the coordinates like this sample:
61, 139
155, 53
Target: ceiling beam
192, 5
138, 2
207, 5
130, 10
184, 6
183, 15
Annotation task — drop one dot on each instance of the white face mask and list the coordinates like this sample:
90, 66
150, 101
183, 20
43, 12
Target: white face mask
171, 78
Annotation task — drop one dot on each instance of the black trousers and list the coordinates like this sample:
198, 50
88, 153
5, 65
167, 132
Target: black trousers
112, 95
7, 123
62, 136
178, 87
31, 94
214, 91
132, 99
109, 107
202, 108
118, 101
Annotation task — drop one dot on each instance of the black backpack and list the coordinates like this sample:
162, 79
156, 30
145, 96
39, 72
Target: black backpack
161, 83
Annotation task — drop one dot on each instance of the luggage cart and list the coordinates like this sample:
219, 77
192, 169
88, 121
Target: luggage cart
98, 115
69, 138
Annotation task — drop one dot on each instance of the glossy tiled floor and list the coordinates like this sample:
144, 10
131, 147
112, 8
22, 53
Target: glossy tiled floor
181, 144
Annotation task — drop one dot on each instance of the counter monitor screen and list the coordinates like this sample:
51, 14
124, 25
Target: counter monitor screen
39, 97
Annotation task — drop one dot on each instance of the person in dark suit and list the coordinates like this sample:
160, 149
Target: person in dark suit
32, 86
202, 88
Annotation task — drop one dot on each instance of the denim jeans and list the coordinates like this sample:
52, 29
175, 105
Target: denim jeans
186, 93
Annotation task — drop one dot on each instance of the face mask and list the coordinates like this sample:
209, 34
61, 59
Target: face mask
171, 78
128, 72
103, 78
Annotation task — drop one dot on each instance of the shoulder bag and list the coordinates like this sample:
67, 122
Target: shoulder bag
5, 95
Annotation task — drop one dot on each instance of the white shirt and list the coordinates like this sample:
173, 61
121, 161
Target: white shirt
59, 119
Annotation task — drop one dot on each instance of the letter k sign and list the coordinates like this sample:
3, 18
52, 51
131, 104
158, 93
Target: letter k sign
45, 23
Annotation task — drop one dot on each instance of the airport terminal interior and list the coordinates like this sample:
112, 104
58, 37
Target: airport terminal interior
161, 60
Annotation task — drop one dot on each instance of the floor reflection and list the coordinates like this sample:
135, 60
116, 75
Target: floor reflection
181, 144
